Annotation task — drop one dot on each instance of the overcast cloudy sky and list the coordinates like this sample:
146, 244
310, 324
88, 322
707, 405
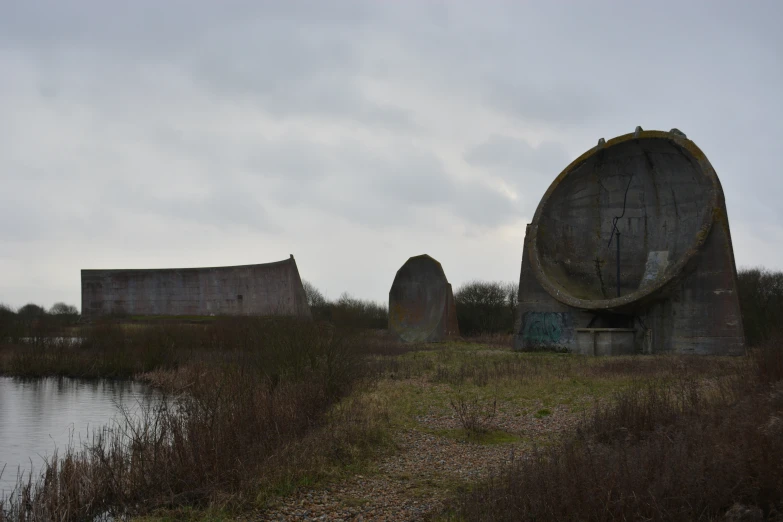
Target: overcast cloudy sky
355, 134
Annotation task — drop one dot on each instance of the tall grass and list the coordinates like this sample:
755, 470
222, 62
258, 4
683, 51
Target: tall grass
103, 351
247, 414
683, 449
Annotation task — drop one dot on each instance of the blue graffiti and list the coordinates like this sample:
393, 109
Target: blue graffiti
546, 328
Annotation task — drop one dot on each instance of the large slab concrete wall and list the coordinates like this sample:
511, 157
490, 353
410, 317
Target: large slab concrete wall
671, 286
262, 289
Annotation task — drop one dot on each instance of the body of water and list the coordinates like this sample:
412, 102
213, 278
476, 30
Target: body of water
39, 415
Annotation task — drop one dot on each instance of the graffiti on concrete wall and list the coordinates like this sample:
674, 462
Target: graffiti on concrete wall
547, 329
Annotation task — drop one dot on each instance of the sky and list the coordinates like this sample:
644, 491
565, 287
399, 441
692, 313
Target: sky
355, 134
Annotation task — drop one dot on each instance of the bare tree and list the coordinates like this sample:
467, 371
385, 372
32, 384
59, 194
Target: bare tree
63, 309
314, 296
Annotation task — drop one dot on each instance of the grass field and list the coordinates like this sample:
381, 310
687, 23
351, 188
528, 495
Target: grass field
372, 428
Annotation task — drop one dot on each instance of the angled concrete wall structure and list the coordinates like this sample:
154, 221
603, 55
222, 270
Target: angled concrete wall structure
629, 251
263, 289
421, 302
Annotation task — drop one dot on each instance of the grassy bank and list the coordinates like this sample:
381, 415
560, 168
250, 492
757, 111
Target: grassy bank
251, 409
661, 449
264, 417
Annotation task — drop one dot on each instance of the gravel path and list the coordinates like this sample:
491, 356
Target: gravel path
414, 483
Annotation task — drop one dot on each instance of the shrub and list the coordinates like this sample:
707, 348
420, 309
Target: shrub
347, 311
485, 307
476, 415
33, 321
761, 301
31, 311
64, 313
8, 323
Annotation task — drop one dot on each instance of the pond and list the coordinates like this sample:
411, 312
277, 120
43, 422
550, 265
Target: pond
39, 415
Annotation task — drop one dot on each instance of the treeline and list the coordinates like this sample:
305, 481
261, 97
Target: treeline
483, 307
32, 318
486, 307
347, 311
761, 300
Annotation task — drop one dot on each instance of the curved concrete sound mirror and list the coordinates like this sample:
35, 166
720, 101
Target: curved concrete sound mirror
260, 290
629, 251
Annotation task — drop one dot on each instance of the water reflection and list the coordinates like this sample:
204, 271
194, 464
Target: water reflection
39, 415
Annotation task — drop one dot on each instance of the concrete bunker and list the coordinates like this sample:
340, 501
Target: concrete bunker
421, 302
629, 251
260, 290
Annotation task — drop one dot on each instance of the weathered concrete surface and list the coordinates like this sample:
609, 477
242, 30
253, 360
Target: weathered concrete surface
264, 289
421, 302
606, 341
677, 284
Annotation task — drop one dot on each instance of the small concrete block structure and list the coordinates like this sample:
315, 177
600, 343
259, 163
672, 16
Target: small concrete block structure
259, 290
629, 251
421, 302
605, 341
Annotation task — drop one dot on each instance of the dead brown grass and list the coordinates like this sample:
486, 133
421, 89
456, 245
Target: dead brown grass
676, 449
258, 416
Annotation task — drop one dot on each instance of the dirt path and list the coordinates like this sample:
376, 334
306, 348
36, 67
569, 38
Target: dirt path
413, 483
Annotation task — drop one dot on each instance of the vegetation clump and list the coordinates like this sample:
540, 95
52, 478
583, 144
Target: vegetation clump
684, 449
245, 413
347, 311
486, 307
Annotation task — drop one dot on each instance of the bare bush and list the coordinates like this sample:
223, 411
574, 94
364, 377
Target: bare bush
475, 414
314, 296
668, 449
252, 396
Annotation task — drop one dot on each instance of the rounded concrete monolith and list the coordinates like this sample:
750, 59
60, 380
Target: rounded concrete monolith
421, 302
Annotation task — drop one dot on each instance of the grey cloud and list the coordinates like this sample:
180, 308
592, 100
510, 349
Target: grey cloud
552, 104
230, 206
294, 160
154, 28
21, 220
289, 72
390, 188
225, 205
483, 207
516, 156
528, 169
408, 176
293, 59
